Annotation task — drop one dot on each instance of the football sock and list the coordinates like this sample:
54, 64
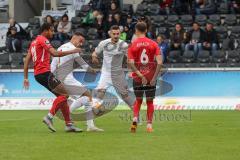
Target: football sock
150, 110
136, 109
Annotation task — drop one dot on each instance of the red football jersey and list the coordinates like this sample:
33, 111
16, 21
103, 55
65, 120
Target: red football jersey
40, 55
143, 51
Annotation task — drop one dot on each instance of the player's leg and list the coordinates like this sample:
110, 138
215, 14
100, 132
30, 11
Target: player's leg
138, 91
150, 95
55, 86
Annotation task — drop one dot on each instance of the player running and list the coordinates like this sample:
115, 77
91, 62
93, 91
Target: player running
40, 51
144, 59
112, 74
62, 68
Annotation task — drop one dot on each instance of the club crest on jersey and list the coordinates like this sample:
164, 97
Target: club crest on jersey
47, 42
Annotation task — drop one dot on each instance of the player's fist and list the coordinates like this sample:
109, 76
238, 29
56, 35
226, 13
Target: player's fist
77, 50
153, 82
26, 84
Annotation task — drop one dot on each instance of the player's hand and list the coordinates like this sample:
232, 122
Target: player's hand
144, 80
95, 60
26, 84
153, 82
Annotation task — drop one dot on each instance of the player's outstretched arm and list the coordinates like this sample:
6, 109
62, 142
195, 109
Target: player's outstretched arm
158, 69
26, 63
56, 53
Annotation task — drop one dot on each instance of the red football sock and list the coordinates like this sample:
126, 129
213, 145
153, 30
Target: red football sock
66, 113
58, 102
150, 111
136, 107
61, 103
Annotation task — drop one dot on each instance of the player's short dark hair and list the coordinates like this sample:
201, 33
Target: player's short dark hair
45, 27
78, 33
114, 27
141, 27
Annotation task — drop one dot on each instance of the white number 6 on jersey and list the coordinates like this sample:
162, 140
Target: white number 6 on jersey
144, 57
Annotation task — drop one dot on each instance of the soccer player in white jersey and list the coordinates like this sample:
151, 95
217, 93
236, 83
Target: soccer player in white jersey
112, 74
62, 67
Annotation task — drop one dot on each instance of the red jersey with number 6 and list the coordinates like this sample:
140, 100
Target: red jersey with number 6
143, 51
40, 55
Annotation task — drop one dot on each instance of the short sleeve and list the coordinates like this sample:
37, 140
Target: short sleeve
130, 52
99, 48
45, 44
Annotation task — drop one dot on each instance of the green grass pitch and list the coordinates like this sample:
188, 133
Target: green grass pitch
201, 135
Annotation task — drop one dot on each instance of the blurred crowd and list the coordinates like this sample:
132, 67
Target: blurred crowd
102, 16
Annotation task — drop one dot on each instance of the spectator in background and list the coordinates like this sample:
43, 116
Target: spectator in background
195, 38
90, 18
163, 45
50, 20
118, 20
20, 31
178, 38
99, 25
114, 9
129, 23
64, 28
13, 41
236, 6
129, 33
205, 7
210, 39
108, 24
165, 6
123, 34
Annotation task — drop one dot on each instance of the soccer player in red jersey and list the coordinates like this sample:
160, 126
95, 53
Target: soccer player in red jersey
39, 52
145, 61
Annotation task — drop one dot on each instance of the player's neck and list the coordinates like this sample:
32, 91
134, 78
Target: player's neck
114, 42
141, 36
44, 35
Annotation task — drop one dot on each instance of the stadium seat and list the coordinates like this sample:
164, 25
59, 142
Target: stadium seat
153, 9
188, 57
223, 8
235, 32
215, 19
218, 57
174, 56
25, 45
230, 20
93, 44
172, 20
222, 32
56, 44
5, 59
86, 47
186, 20
203, 56
34, 23
158, 21
92, 34
76, 22
201, 19
146, 2
141, 9
34, 33
127, 9
81, 30
163, 31
233, 57
16, 58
